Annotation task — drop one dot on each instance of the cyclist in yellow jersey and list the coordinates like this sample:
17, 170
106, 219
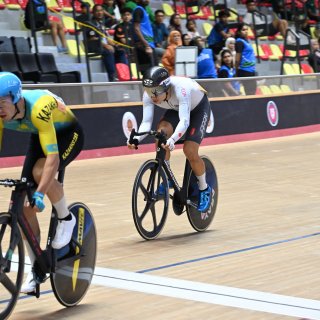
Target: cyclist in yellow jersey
56, 139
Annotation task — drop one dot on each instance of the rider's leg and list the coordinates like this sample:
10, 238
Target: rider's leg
56, 196
191, 151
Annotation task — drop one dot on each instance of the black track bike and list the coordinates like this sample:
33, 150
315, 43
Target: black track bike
150, 208
70, 268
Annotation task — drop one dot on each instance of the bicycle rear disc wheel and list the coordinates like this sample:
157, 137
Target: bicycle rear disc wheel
150, 209
75, 267
200, 221
10, 282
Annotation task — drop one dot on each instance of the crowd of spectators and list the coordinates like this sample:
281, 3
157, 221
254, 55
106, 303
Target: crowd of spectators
147, 38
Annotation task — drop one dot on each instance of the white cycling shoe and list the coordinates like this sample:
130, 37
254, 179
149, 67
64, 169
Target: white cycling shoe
29, 285
63, 233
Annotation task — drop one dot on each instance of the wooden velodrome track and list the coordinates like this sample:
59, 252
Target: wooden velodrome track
264, 240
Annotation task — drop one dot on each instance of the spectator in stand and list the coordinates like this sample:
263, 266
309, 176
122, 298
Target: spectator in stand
205, 59
160, 33
227, 70
186, 39
270, 29
219, 33
314, 57
107, 48
245, 59
109, 13
132, 5
192, 29
230, 45
84, 16
175, 23
312, 13
143, 36
42, 21
123, 35
168, 59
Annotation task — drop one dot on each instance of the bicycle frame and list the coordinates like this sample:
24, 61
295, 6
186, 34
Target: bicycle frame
181, 192
18, 219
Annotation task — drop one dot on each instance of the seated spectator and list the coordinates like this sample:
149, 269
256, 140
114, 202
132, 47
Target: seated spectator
85, 13
313, 14
168, 59
314, 56
57, 31
186, 39
132, 4
175, 23
205, 60
106, 47
160, 33
219, 33
261, 25
109, 13
227, 70
245, 59
192, 29
230, 45
43, 21
123, 34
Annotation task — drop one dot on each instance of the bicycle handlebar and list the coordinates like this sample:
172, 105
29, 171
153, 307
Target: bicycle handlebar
161, 136
19, 183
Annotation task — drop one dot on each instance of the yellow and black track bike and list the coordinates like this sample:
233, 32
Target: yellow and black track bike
70, 268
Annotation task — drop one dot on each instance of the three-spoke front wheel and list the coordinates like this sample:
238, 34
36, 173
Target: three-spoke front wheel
10, 282
150, 200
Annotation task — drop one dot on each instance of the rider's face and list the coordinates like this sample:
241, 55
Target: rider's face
7, 108
158, 98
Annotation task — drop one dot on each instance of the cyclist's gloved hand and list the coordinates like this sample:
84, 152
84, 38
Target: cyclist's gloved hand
170, 144
37, 200
132, 143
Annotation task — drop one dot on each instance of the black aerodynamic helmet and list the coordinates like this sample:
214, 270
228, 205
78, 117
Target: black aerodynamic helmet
156, 81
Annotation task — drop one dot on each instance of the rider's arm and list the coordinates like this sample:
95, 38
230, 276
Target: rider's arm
184, 97
148, 111
42, 119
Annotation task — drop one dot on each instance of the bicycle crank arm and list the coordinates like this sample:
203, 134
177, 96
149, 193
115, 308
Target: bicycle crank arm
192, 204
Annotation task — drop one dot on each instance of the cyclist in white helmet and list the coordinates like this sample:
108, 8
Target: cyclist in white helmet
188, 112
56, 139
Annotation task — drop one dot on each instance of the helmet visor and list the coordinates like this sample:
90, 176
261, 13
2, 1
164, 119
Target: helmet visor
155, 91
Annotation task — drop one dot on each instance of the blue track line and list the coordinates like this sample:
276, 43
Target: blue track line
228, 253
203, 258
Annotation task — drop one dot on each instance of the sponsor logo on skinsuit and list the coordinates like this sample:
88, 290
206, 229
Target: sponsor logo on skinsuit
71, 145
45, 112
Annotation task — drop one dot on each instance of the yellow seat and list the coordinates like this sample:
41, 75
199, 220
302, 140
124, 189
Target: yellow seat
296, 68
72, 48
275, 89
68, 23
276, 52
134, 71
288, 69
265, 90
285, 88
167, 9
207, 27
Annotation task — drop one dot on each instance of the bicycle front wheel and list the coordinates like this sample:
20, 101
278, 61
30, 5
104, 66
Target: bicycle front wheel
10, 282
149, 205
76, 261
200, 221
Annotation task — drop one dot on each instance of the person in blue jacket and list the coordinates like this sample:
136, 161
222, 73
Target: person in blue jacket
205, 60
245, 59
227, 70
